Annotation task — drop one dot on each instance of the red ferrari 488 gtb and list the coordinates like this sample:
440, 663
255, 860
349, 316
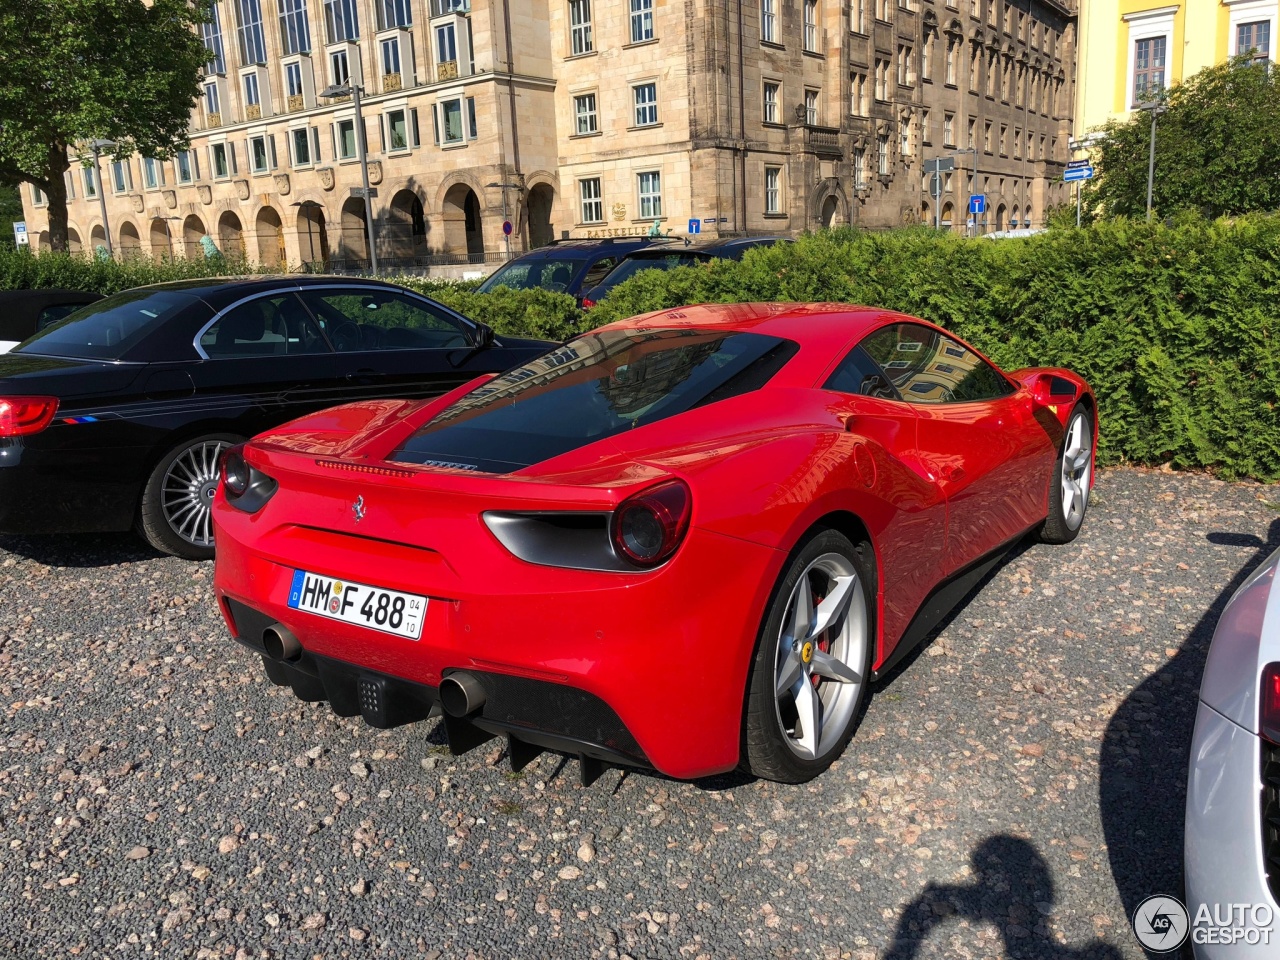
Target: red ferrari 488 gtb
686, 541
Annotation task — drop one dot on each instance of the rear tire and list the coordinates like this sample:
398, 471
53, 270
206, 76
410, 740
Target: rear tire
812, 664
1072, 477
175, 513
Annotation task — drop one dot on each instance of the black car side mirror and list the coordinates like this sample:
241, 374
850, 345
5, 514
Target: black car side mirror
484, 336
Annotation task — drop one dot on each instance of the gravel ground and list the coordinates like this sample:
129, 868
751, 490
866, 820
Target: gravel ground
1015, 789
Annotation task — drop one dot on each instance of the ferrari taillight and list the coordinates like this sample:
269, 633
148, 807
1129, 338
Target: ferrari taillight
587, 304
1269, 703
648, 527
20, 416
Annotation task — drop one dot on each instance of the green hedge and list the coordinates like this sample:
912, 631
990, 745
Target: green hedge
1175, 326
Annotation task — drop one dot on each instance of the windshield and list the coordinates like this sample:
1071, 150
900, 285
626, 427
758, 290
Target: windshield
554, 275
593, 387
629, 267
108, 329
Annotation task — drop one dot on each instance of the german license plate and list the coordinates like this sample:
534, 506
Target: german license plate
387, 610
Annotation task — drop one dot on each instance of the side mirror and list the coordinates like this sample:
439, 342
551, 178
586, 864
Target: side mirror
1050, 389
484, 336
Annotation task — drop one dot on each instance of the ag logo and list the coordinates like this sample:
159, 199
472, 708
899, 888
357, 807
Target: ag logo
1160, 923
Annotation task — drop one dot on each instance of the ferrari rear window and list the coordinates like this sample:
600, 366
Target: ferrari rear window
596, 386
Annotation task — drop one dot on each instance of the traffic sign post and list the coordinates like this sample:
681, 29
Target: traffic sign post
1076, 174
20, 233
695, 225
506, 227
978, 203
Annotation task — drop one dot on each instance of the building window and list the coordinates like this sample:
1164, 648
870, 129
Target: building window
1004, 136
926, 58
952, 46
882, 80
905, 148
300, 142
293, 79
446, 44
252, 97
212, 102
986, 137
811, 25
37, 196
858, 104
973, 134
975, 69
584, 114
772, 189
211, 33
90, 183
905, 74
184, 166
926, 125
218, 156
882, 11
390, 56
397, 130
1254, 39
580, 41
258, 161
152, 173
859, 168
650, 188
120, 177
641, 20
592, 204
253, 45
451, 111
770, 101
811, 107
471, 118
882, 155
769, 21
395, 13
646, 103
949, 129
339, 68
341, 20
295, 28
1017, 143
1148, 68
346, 139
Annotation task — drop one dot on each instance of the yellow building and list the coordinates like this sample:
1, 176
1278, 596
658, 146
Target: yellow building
1130, 49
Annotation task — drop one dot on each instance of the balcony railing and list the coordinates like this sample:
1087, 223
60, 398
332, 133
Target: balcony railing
448, 70
253, 112
824, 141
296, 101
213, 119
391, 82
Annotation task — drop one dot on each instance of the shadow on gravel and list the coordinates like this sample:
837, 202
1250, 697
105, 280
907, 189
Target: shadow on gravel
1012, 890
80, 550
1142, 781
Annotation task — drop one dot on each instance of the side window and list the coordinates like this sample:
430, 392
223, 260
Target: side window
276, 326
51, 315
859, 374
357, 319
929, 367
598, 271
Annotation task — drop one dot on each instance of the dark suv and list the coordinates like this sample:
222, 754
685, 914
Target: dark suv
664, 258
568, 266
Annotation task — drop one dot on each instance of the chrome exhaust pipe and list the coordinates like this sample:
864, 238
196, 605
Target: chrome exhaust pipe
461, 695
280, 645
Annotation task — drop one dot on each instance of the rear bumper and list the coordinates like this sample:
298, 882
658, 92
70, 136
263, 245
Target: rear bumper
1223, 843
640, 669
63, 491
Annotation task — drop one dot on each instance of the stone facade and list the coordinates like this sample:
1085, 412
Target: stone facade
584, 118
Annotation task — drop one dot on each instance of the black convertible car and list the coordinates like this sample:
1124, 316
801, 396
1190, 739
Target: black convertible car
116, 416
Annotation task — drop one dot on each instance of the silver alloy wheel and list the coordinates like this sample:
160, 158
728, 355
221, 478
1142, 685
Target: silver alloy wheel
1077, 470
824, 631
186, 493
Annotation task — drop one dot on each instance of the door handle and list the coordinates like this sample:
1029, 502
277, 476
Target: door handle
365, 375
953, 474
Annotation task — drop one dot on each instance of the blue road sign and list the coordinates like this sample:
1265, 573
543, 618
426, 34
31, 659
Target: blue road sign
695, 225
978, 203
1076, 174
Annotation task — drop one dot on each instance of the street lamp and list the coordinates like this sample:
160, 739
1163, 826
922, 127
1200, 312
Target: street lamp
506, 237
973, 187
97, 146
355, 91
1156, 107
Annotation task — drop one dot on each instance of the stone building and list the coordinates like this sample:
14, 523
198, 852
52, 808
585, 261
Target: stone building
584, 118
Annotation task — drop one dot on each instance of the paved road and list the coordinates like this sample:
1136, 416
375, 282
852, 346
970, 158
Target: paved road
1014, 791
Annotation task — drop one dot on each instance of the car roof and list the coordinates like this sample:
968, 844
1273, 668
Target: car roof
585, 249
711, 246
806, 323
48, 293
221, 291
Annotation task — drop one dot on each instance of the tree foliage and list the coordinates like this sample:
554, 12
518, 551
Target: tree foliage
81, 70
1217, 148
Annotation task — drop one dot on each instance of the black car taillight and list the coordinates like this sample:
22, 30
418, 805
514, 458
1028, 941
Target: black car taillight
21, 416
247, 488
648, 527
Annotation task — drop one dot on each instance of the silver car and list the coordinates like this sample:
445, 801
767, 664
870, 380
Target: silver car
1232, 842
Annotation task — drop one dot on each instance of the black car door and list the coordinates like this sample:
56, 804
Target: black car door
391, 343
265, 362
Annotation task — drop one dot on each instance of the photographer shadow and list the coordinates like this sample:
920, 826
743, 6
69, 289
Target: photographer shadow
1012, 890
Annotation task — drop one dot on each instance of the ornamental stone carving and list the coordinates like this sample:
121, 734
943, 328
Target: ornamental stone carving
242, 189
282, 184
326, 177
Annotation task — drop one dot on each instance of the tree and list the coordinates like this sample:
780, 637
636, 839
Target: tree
82, 70
1217, 147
